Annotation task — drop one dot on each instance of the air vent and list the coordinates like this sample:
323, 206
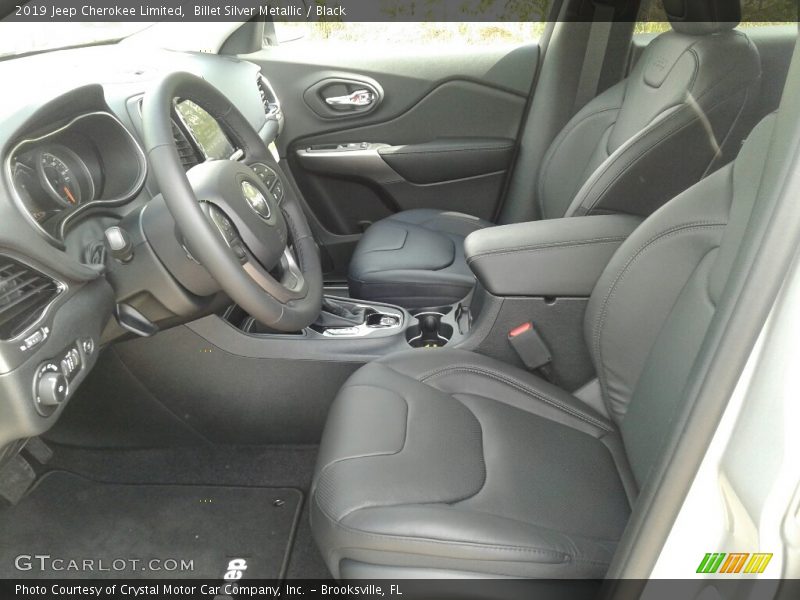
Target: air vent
24, 296
186, 152
268, 97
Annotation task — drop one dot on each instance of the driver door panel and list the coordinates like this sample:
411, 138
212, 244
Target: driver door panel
440, 133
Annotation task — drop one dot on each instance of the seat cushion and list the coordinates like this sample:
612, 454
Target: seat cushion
451, 461
414, 258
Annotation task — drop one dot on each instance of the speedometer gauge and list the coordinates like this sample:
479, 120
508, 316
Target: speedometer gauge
59, 179
64, 176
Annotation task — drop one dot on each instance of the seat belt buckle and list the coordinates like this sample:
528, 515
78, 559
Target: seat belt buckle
529, 346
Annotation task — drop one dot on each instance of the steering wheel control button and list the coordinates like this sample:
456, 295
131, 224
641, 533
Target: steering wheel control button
256, 200
270, 179
265, 174
277, 191
222, 223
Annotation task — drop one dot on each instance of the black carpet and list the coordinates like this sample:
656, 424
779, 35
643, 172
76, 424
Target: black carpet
69, 517
263, 466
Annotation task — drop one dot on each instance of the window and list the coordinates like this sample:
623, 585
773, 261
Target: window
410, 34
755, 13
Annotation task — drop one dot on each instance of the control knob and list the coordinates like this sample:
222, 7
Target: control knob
52, 388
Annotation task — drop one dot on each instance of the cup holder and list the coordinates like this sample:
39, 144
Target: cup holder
429, 331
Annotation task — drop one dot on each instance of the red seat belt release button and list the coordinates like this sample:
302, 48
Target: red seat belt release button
529, 345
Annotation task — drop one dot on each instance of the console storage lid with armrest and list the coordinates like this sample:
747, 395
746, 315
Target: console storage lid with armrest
558, 257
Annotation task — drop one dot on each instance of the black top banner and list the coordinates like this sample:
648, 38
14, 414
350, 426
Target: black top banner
348, 10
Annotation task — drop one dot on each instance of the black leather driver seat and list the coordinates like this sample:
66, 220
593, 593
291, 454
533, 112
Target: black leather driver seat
446, 463
681, 113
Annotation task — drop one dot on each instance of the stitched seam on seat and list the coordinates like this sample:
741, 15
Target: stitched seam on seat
521, 387
405, 439
346, 458
400, 247
562, 556
483, 453
455, 217
643, 132
600, 323
549, 246
337, 523
603, 439
559, 141
726, 139
636, 158
596, 539
623, 170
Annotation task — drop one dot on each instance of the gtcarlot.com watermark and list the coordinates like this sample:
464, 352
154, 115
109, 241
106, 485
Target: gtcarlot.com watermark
45, 563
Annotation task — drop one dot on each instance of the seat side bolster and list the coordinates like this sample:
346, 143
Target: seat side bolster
577, 144
475, 374
634, 180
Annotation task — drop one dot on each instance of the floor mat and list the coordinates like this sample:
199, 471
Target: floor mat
264, 466
147, 531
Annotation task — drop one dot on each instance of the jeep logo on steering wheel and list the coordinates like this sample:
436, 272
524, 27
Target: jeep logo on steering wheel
256, 200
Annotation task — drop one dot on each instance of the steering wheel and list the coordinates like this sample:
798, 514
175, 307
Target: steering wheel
261, 252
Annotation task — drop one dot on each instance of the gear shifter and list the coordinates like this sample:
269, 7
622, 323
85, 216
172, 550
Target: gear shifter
336, 313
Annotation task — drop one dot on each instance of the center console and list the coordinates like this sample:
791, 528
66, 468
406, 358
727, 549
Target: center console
539, 274
375, 325
542, 271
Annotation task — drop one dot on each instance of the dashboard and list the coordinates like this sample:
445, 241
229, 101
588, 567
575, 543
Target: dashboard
73, 167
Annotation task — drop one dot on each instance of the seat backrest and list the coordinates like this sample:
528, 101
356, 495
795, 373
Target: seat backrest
681, 113
651, 308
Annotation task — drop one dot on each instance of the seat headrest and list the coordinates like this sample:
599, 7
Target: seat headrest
703, 17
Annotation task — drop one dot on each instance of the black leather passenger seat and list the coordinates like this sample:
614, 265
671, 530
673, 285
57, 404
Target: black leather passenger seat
449, 463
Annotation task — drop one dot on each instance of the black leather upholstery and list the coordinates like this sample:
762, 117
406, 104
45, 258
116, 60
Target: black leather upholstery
559, 257
461, 459
680, 115
454, 462
414, 258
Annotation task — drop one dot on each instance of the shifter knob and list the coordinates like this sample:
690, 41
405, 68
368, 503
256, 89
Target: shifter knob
429, 323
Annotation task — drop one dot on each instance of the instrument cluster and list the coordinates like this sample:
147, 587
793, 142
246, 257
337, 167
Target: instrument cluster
51, 178
92, 160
